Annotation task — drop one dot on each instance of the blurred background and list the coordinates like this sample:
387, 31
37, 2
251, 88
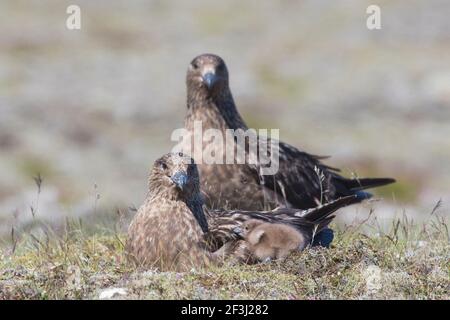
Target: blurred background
91, 109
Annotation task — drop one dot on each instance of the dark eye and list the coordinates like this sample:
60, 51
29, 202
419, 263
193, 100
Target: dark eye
163, 166
180, 154
194, 65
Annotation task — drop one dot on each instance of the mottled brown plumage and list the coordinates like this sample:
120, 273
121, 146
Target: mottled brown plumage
297, 184
167, 231
172, 230
222, 223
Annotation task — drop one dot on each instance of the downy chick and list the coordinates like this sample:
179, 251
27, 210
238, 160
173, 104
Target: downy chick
267, 241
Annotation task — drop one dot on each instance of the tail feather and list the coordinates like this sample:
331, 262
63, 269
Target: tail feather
316, 215
362, 195
222, 222
366, 183
324, 223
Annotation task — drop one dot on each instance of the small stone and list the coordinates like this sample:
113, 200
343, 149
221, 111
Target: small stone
373, 276
112, 293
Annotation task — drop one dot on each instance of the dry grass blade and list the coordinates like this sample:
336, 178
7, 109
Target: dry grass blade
436, 206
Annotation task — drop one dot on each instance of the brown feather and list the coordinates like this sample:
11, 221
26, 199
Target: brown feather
240, 186
173, 230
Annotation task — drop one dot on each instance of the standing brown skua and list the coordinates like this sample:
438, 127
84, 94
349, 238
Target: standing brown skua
302, 181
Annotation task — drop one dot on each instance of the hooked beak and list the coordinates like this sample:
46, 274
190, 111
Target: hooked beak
238, 231
180, 178
209, 79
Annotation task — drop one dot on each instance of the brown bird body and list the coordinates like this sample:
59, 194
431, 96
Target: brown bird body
267, 241
222, 223
302, 180
166, 232
172, 230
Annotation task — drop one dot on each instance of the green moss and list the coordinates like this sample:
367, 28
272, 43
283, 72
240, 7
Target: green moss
76, 265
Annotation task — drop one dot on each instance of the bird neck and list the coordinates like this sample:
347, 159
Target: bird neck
192, 204
216, 110
196, 206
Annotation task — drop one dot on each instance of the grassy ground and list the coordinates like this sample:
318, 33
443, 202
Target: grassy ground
408, 262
